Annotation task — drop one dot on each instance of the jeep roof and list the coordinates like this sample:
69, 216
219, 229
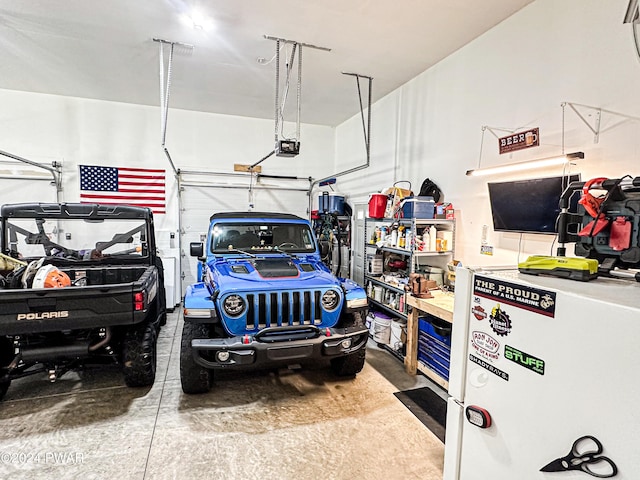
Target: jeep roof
256, 215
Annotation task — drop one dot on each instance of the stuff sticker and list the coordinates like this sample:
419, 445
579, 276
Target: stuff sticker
500, 321
524, 359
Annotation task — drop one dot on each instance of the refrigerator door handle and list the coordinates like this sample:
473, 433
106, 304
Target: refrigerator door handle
460, 332
453, 440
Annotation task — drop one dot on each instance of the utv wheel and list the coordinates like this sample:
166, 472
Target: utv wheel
139, 356
162, 307
4, 386
6, 356
194, 378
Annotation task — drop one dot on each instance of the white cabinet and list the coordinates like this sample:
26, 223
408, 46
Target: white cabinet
170, 286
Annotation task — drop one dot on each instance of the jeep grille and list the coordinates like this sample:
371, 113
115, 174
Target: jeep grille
283, 308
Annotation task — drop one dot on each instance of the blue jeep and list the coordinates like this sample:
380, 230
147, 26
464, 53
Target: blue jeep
265, 299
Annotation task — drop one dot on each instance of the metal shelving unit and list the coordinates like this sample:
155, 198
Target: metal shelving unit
387, 308
413, 258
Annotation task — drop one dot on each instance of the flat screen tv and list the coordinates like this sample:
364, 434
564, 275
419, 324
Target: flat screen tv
528, 206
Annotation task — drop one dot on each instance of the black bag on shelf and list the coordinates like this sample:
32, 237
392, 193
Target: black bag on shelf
430, 189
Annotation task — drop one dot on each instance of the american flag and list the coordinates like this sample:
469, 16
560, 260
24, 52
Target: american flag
141, 187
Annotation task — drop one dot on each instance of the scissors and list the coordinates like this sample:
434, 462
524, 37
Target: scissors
584, 456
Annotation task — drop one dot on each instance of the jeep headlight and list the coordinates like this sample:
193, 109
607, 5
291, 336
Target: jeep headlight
330, 300
356, 303
234, 305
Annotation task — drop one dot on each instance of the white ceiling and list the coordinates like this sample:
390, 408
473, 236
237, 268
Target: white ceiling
105, 49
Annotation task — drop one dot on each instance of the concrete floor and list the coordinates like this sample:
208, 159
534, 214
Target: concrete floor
285, 424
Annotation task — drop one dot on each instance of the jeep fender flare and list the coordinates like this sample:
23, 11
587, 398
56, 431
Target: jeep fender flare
199, 304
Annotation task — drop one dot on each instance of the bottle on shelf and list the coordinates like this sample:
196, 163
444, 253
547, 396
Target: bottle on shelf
394, 237
432, 238
426, 241
393, 300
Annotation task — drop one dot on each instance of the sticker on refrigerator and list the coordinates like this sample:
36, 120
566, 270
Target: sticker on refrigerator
479, 312
500, 321
522, 296
485, 345
488, 366
524, 359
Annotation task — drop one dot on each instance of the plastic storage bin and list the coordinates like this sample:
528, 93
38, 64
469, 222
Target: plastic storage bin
417, 207
331, 202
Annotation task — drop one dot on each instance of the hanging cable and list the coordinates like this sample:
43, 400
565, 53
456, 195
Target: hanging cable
166, 99
285, 93
277, 103
251, 192
161, 75
165, 88
299, 96
262, 61
286, 147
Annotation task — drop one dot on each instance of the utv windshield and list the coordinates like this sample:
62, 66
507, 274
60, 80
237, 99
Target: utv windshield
75, 239
262, 238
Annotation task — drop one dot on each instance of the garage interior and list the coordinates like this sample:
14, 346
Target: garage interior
378, 97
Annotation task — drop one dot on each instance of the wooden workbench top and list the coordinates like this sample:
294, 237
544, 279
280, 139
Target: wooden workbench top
441, 305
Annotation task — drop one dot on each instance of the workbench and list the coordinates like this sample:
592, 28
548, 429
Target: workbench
441, 306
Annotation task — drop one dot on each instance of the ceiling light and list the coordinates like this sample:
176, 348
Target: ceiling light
198, 21
516, 167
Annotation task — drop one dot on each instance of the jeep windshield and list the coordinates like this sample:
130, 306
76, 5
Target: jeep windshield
252, 237
75, 239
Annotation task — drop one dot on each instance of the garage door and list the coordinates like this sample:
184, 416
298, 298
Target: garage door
200, 202
17, 189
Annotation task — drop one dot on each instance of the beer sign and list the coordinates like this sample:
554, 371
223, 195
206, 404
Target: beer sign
519, 141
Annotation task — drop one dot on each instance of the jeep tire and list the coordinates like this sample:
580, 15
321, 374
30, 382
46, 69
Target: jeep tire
351, 364
139, 355
193, 377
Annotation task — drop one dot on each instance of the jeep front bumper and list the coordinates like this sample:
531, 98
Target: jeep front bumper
278, 346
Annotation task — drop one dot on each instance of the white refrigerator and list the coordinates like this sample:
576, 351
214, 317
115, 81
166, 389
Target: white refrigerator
539, 364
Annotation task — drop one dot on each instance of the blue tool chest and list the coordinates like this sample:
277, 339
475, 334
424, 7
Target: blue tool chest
434, 345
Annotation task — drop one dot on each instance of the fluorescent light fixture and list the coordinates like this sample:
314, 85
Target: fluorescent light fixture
516, 167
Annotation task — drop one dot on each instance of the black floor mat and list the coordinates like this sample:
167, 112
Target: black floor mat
429, 407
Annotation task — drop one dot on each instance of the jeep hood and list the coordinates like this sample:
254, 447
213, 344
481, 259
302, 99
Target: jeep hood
270, 273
